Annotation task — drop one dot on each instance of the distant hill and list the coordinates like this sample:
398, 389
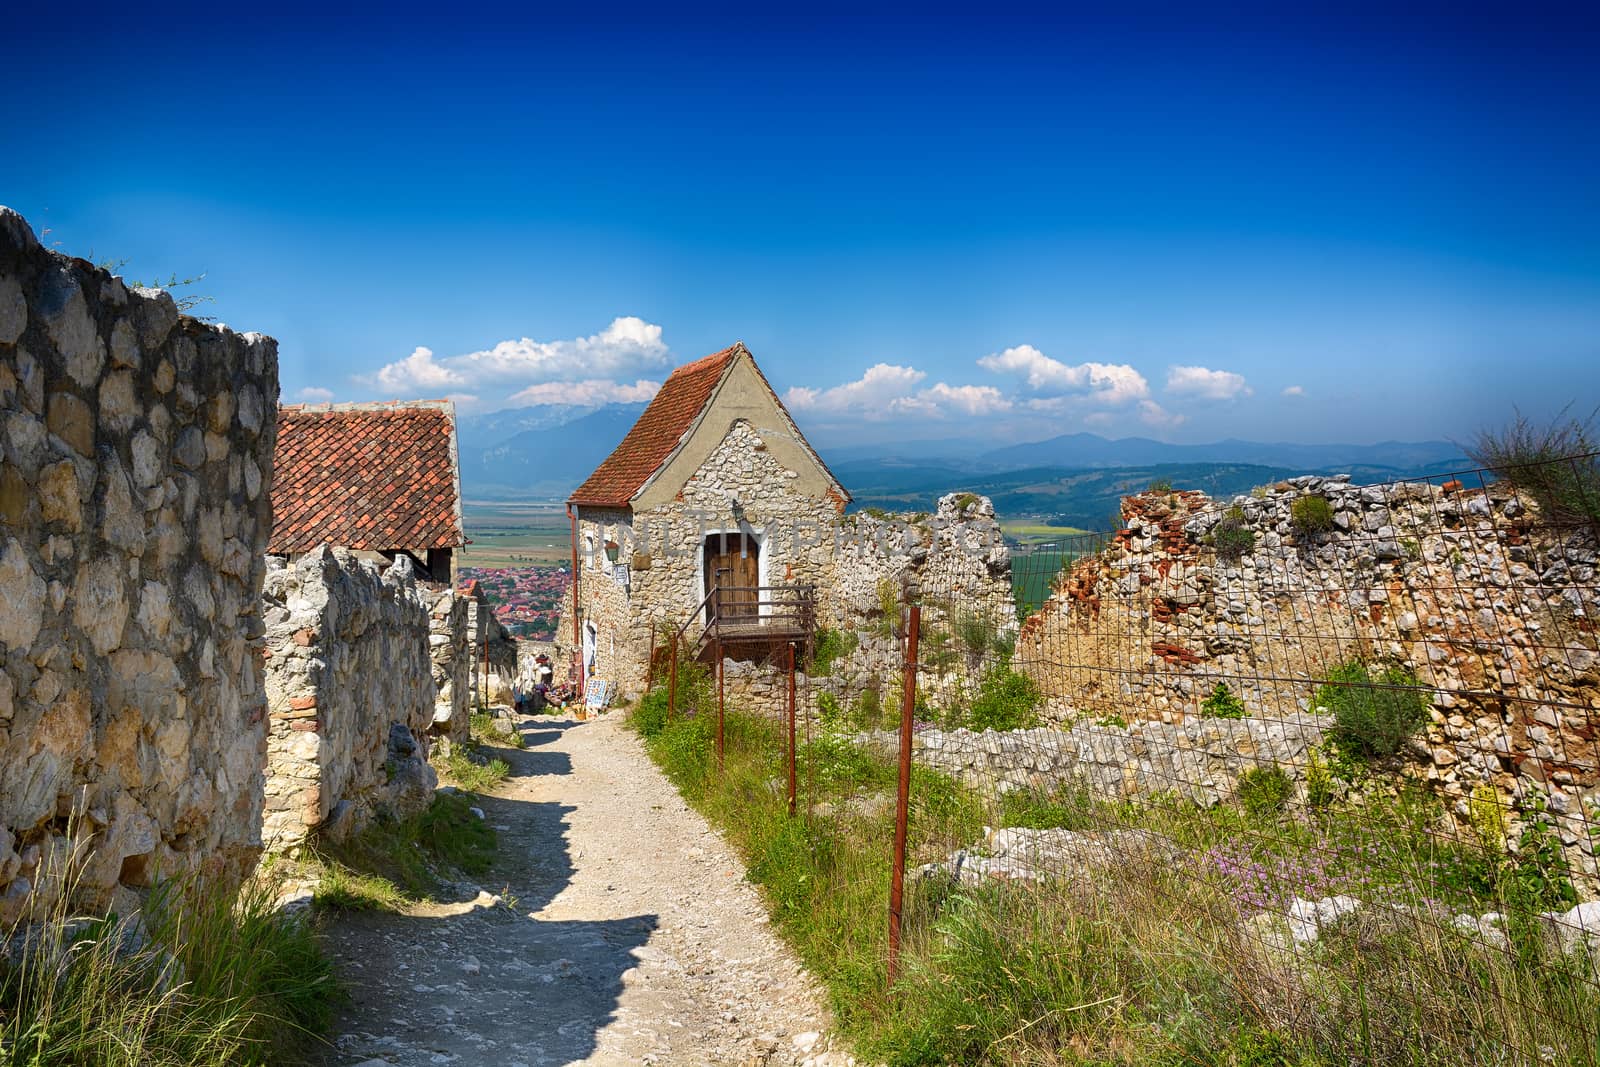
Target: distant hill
1076, 479
1092, 450
1086, 498
544, 462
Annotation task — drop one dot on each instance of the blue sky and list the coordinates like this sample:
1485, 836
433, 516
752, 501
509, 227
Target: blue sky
1181, 224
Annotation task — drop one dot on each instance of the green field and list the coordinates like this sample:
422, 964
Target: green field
1032, 531
515, 535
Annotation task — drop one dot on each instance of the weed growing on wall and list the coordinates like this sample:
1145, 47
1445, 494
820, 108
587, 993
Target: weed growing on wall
1231, 537
1220, 703
1264, 792
831, 645
1556, 465
1311, 515
1374, 715
393, 863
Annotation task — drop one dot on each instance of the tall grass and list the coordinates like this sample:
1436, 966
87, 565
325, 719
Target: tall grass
1177, 956
1558, 465
393, 863
203, 977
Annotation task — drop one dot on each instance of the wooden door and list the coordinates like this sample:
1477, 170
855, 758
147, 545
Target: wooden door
732, 567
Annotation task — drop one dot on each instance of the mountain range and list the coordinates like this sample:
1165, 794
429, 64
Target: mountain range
543, 453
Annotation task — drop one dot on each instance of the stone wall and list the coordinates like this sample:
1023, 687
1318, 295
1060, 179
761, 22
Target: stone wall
1493, 610
1200, 759
492, 671
954, 559
449, 646
133, 513
350, 694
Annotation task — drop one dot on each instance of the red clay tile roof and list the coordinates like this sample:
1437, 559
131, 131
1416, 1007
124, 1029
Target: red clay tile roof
366, 476
664, 422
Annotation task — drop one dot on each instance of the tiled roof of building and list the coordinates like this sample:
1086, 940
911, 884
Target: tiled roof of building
657, 433
366, 476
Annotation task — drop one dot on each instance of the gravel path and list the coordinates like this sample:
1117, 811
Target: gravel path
618, 929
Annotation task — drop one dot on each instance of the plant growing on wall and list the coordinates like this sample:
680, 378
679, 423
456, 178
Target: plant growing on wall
1231, 537
1312, 515
1220, 703
1557, 465
1374, 715
1265, 791
1006, 700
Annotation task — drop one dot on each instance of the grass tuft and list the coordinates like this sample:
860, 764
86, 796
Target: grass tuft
204, 976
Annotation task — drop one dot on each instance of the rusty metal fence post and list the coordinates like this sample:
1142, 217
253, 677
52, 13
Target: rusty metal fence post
791, 728
719, 701
672, 680
908, 703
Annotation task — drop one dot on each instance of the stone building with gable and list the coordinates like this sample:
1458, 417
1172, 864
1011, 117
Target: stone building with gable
714, 491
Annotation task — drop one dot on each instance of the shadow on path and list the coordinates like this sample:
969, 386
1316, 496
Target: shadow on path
483, 982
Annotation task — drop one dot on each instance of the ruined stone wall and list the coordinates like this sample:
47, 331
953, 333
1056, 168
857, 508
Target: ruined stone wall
955, 558
133, 513
1492, 609
350, 694
450, 649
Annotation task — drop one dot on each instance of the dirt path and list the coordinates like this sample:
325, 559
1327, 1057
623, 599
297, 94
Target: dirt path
626, 934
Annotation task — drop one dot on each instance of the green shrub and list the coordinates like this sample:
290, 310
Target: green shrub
1068, 807
830, 713
1556, 465
1265, 791
1311, 515
1006, 700
1220, 703
831, 645
1231, 537
1373, 717
650, 717
1539, 878
1160, 485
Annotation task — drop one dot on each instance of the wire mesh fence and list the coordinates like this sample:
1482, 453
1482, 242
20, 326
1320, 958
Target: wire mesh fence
1309, 776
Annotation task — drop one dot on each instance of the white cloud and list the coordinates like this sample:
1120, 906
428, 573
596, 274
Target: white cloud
887, 389
871, 394
1295, 390
1107, 383
1153, 414
1206, 383
967, 399
314, 394
511, 368
590, 391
